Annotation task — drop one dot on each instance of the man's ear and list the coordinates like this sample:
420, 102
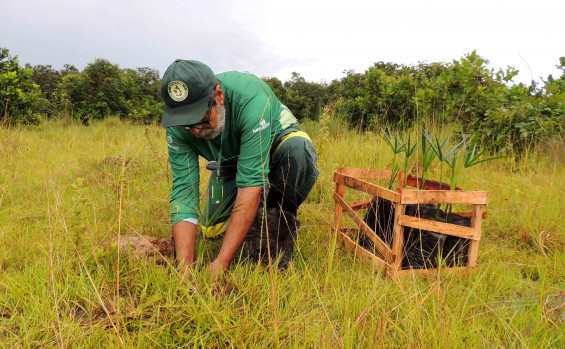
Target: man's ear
219, 95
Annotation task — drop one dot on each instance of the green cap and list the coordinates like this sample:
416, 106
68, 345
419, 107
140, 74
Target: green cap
185, 89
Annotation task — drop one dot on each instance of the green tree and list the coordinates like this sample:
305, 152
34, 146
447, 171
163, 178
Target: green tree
528, 116
349, 96
142, 82
106, 86
464, 92
69, 69
97, 92
48, 80
19, 95
142, 91
277, 86
556, 86
305, 99
383, 95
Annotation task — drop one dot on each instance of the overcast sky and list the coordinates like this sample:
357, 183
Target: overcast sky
318, 39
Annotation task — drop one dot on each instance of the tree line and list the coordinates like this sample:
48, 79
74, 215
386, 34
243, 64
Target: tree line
464, 92
29, 94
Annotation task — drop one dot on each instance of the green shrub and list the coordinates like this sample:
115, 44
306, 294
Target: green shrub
19, 95
146, 111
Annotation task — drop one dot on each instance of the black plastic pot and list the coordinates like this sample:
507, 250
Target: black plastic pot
422, 248
455, 250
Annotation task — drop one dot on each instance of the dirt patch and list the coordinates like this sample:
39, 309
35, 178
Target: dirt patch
276, 228
144, 246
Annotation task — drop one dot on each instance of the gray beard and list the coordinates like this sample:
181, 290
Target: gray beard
211, 133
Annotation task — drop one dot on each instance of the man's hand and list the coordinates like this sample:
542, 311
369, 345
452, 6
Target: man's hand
244, 212
215, 270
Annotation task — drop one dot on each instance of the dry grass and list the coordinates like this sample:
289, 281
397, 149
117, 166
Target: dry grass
60, 198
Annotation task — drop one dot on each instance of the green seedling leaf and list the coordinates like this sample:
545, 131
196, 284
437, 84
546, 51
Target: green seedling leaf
395, 171
394, 141
428, 157
428, 154
220, 214
409, 147
472, 159
452, 155
409, 150
439, 147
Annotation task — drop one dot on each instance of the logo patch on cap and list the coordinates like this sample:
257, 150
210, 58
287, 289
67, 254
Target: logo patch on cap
177, 90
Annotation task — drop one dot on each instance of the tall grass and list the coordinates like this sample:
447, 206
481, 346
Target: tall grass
66, 188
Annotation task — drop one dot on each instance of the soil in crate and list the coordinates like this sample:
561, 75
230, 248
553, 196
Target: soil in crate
422, 248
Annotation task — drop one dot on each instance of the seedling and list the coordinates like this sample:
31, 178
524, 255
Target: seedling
409, 150
471, 158
428, 156
397, 146
440, 149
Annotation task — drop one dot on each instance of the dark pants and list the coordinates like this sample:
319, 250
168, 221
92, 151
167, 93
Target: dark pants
292, 175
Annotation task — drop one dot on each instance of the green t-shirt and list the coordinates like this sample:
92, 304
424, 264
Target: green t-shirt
254, 119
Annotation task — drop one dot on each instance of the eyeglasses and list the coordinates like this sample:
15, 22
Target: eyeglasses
206, 121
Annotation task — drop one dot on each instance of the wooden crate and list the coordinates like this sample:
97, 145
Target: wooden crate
389, 259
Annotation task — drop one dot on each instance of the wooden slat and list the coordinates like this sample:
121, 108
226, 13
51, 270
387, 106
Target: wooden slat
429, 184
440, 227
429, 272
470, 214
361, 204
475, 197
379, 244
349, 231
351, 177
377, 263
400, 179
339, 189
365, 173
397, 240
476, 223
367, 187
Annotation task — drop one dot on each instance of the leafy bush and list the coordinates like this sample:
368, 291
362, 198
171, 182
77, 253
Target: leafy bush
305, 99
464, 92
528, 116
146, 111
19, 95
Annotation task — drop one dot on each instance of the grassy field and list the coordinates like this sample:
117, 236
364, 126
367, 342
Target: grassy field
64, 189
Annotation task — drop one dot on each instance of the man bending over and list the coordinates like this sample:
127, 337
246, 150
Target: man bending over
254, 147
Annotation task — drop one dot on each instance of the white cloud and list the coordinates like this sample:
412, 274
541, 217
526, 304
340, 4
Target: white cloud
319, 39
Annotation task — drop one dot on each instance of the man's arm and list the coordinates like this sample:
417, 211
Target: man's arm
254, 122
184, 196
245, 210
184, 235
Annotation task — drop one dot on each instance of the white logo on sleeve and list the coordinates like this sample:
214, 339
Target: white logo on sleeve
177, 90
170, 143
263, 126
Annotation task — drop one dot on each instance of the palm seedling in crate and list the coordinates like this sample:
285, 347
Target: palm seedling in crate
406, 229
